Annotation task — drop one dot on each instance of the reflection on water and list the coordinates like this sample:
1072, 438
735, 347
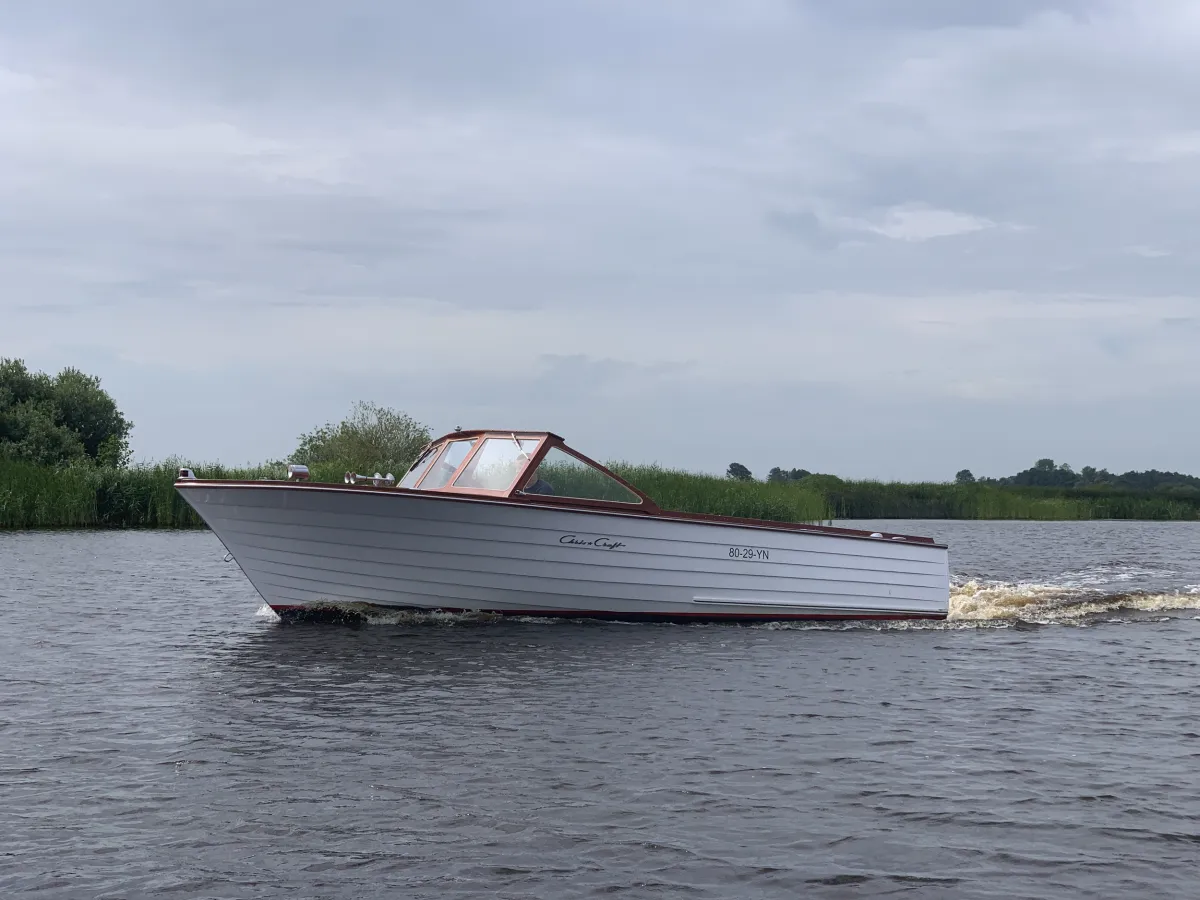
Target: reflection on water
158, 736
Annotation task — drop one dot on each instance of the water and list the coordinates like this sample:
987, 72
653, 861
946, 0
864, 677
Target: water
159, 737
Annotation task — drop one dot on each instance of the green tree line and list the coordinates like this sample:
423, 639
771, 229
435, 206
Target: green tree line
62, 420
1046, 474
64, 462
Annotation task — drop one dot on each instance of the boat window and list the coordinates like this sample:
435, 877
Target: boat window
442, 471
562, 475
418, 468
496, 464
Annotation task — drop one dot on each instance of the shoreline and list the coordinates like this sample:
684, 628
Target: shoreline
37, 498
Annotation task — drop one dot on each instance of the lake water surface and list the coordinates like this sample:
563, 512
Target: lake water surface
162, 735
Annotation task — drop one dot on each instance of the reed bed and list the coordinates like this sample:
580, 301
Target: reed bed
690, 492
144, 497
880, 500
89, 497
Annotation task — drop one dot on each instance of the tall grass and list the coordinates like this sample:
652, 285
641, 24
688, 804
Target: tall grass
87, 497
690, 492
144, 497
37, 497
878, 500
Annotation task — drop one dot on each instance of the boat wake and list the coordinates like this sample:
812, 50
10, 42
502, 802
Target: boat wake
978, 602
973, 603
366, 614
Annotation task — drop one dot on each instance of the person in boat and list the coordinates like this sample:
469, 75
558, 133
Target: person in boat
536, 484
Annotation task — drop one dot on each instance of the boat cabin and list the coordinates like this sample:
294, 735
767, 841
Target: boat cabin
535, 466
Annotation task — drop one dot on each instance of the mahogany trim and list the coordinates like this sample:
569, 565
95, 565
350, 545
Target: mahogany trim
476, 432
599, 507
451, 488
475, 445
547, 440
584, 503
555, 442
433, 451
477, 437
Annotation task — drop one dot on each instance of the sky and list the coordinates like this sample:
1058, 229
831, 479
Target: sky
880, 238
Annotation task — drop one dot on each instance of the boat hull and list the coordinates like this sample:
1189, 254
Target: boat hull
316, 550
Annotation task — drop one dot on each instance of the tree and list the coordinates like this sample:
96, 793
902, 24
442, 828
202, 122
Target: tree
738, 472
371, 439
778, 475
820, 482
964, 476
89, 412
61, 420
1044, 473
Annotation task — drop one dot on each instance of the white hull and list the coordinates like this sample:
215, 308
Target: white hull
314, 546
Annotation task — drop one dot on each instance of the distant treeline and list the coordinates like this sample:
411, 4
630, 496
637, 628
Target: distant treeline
841, 499
879, 500
1044, 473
144, 497
1044, 491
64, 463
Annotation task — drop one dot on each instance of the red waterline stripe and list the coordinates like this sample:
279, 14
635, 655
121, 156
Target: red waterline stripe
629, 616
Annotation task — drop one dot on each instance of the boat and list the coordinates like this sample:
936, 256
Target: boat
517, 523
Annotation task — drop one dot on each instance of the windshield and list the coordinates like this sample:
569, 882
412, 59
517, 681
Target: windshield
419, 467
496, 465
447, 464
562, 475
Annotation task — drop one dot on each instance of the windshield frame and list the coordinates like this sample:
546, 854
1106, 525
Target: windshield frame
519, 470
546, 441
478, 441
639, 500
432, 467
428, 456
644, 504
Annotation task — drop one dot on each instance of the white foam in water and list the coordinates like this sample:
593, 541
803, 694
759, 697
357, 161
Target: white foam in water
265, 612
408, 617
1109, 573
975, 601
374, 615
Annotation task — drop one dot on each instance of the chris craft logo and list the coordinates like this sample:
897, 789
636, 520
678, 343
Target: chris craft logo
597, 543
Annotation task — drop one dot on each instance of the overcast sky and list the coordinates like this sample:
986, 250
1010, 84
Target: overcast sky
881, 238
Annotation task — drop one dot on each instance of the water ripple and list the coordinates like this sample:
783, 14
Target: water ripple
158, 737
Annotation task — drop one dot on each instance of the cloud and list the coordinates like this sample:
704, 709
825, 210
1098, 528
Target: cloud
937, 14
1147, 252
932, 202
12, 83
916, 223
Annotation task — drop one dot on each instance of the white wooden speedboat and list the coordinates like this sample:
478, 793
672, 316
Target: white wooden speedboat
517, 523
